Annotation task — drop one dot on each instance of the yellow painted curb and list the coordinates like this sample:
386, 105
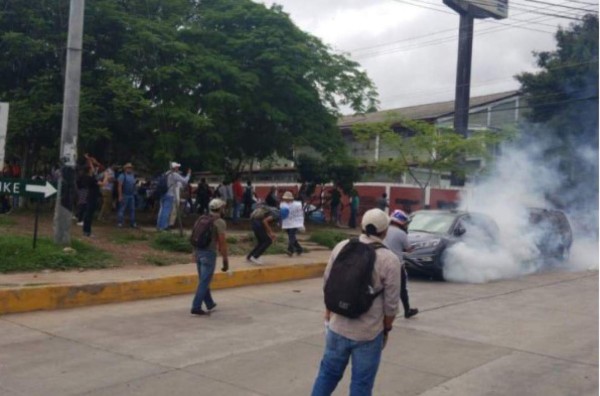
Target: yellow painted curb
46, 297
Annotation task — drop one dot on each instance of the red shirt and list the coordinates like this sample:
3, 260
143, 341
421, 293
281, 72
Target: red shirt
238, 190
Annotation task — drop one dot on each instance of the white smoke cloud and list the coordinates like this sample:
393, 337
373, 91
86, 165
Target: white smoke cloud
521, 180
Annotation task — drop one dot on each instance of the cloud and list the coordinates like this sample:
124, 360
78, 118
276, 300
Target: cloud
419, 66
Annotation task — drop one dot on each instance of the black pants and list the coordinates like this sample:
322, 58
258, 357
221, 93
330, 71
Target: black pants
403, 290
264, 240
88, 215
247, 209
293, 245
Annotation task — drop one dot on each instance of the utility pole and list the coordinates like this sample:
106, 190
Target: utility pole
463, 74
63, 211
468, 10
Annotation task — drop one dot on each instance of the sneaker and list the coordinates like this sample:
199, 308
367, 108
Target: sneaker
211, 308
134, 225
256, 261
80, 223
289, 253
300, 252
120, 225
198, 312
411, 312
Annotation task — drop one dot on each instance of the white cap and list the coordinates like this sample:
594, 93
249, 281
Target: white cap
216, 204
175, 164
376, 217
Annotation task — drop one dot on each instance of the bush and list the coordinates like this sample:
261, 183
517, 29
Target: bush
327, 238
172, 243
18, 255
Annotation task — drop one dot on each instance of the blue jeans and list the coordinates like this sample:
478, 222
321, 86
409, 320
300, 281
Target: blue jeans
127, 202
365, 355
236, 210
206, 260
166, 205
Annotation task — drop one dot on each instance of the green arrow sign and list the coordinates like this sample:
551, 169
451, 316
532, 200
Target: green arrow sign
33, 188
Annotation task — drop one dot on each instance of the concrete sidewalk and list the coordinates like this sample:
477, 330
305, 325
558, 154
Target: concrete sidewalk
49, 290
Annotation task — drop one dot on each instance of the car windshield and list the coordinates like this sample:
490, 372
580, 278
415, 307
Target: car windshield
433, 222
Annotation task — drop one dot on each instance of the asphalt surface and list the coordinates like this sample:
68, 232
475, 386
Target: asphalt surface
536, 335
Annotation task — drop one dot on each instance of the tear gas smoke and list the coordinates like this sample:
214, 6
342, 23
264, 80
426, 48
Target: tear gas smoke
521, 180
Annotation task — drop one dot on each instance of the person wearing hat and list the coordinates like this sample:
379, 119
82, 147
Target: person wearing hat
260, 219
206, 258
362, 338
167, 201
126, 189
397, 240
292, 219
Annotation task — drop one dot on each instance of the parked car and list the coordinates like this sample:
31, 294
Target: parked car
431, 232
552, 232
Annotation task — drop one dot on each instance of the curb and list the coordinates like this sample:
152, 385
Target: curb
37, 298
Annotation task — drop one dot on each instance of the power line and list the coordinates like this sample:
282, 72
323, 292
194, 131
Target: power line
560, 5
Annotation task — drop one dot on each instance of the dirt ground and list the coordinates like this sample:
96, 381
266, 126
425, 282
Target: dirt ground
128, 246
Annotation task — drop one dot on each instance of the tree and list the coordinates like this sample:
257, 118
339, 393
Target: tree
421, 146
213, 83
563, 98
316, 171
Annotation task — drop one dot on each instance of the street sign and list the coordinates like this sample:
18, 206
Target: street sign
26, 187
497, 9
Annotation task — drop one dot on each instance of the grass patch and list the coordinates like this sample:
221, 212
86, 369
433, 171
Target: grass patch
328, 238
172, 243
6, 221
159, 261
124, 239
19, 256
231, 240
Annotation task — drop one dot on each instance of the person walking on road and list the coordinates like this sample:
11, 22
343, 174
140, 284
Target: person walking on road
397, 240
206, 259
362, 338
261, 218
167, 200
292, 219
126, 190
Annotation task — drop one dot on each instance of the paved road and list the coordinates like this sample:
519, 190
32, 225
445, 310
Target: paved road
533, 336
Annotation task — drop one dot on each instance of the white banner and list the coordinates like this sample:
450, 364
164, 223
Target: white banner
295, 215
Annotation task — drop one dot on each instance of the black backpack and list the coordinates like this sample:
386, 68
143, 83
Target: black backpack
202, 232
349, 290
162, 186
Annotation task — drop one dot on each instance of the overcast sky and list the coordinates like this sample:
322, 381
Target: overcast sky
409, 47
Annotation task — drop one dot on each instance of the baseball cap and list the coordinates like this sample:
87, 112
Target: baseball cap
175, 164
287, 196
377, 218
216, 204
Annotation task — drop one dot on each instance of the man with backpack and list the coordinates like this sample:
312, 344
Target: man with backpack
166, 188
362, 291
208, 236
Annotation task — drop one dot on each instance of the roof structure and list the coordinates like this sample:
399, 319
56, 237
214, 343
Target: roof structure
426, 112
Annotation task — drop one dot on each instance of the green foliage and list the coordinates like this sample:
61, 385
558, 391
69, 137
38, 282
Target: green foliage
172, 243
19, 256
6, 221
337, 168
204, 82
420, 145
159, 261
563, 101
327, 238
